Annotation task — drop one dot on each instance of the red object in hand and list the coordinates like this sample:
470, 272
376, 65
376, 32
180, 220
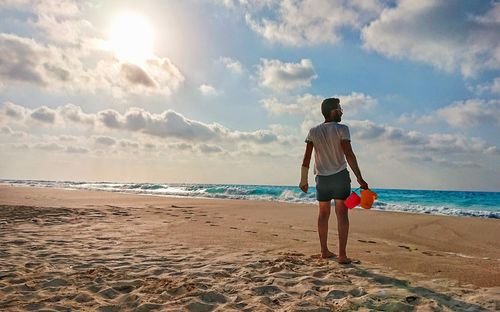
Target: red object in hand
352, 201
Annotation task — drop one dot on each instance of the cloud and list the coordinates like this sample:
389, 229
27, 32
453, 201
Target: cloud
174, 125
368, 131
232, 64
104, 140
209, 149
14, 111
68, 138
6, 130
136, 75
471, 113
461, 114
73, 57
280, 76
52, 147
155, 76
180, 146
309, 106
149, 146
76, 150
441, 33
493, 87
168, 124
44, 115
75, 114
21, 60
443, 161
127, 144
306, 22
207, 89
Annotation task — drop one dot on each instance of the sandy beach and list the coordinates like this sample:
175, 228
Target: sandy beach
64, 250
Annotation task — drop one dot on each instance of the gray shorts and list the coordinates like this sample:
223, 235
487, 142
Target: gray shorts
335, 186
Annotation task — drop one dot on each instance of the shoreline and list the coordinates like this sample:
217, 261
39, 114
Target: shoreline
398, 253
274, 200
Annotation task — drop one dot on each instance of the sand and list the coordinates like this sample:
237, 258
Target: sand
63, 250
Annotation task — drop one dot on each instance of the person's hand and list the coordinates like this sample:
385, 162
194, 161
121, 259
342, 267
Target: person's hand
362, 184
304, 186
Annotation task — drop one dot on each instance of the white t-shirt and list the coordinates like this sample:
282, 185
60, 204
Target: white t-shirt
329, 156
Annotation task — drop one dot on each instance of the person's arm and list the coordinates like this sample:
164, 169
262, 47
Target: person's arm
353, 163
304, 170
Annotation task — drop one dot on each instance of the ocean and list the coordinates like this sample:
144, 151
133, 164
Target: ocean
454, 203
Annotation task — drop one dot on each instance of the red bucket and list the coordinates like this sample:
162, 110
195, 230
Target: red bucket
352, 201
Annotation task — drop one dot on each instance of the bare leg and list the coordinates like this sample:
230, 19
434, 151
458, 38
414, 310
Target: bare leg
343, 228
324, 215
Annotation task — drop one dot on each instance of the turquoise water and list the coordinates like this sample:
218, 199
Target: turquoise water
457, 203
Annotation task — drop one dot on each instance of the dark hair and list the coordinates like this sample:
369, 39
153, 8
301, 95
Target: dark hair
328, 105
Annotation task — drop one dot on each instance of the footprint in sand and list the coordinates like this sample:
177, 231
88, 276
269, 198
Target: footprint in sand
175, 206
367, 241
251, 232
428, 253
233, 228
405, 247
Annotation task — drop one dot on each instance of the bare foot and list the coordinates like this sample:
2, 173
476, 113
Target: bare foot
328, 254
344, 260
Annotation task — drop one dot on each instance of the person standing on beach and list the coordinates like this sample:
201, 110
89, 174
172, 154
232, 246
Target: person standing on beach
332, 147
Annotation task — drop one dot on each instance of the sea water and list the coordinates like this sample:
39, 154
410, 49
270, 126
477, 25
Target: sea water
457, 203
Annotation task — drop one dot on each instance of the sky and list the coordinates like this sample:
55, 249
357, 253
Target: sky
225, 91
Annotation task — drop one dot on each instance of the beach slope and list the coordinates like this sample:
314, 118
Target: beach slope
89, 250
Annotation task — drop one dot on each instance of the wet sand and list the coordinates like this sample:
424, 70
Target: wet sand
90, 250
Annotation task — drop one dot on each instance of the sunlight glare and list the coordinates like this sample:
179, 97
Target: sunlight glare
131, 38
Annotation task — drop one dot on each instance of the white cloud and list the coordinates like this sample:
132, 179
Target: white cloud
66, 53
280, 76
443, 161
22, 60
104, 140
168, 124
460, 114
6, 130
471, 113
127, 144
368, 131
232, 64
209, 149
75, 114
49, 147
438, 33
76, 150
155, 76
207, 89
44, 115
492, 87
309, 106
304, 22
14, 111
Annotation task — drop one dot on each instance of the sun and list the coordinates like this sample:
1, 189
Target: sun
131, 38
